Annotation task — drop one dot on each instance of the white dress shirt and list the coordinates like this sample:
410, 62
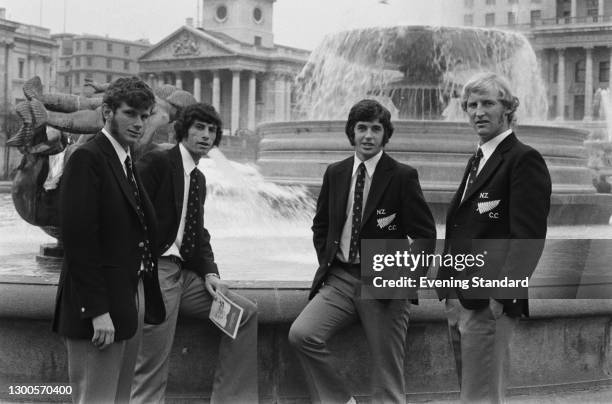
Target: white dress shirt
345, 239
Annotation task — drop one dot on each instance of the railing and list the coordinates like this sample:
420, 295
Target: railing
560, 21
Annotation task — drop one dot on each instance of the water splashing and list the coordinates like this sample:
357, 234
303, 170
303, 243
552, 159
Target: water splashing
416, 70
240, 201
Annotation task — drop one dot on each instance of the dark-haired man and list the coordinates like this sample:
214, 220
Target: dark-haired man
109, 282
357, 195
187, 271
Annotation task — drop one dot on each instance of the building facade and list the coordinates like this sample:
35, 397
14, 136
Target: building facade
25, 51
572, 40
101, 59
230, 60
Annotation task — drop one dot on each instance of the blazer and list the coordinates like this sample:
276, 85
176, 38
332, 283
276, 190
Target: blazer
509, 203
162, 176
104, 242
395, 190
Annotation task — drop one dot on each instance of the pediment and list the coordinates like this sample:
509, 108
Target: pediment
186, 43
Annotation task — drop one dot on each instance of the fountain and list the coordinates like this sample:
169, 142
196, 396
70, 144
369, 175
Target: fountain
419, 71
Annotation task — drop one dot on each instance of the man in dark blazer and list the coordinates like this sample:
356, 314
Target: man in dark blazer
366, 196
501, 207
108, 284
188, 273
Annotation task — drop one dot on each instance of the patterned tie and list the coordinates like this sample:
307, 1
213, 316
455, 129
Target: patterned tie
193, 218
473, 171
357, 204
147, 259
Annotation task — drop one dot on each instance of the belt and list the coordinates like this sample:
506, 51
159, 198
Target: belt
176, 260
354, 269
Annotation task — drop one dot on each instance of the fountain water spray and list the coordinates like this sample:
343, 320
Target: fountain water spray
415, 70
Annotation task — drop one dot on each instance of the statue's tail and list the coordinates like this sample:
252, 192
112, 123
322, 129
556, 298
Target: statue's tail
33, 88
33, 115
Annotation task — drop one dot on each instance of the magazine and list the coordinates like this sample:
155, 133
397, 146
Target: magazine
226, 315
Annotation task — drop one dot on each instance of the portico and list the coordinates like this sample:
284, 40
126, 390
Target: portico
247, 84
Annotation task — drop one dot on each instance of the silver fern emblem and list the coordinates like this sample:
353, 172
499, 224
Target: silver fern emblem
385, 221
484, 207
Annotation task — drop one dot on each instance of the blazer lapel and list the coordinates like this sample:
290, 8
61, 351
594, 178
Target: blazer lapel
117, 169
380, 180
491, 165
341, 182
178, 182
456, 201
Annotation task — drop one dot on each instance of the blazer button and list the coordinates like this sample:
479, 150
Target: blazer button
336, 242
329, 264
82, 309
141, 244
514, 301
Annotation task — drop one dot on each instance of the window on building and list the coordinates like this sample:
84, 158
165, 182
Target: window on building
489, 19
89, 61
126, 65
536, 16
257, 40
77, 46
580, 71
490, 2
109, 47
604, 71
511, 18
109, 78
89, 45
77, 61
468, 19
21, 64
126, 50
89, 76
66, 81
468, 3
555, 72
77, 79
257, 14
221, 13
109, 63
592, 8
512, 1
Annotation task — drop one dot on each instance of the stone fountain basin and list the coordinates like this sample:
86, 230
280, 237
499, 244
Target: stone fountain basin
565, 344
298, 152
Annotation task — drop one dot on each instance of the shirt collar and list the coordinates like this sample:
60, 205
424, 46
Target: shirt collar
489, 147
188, 163
121, 152
370, 164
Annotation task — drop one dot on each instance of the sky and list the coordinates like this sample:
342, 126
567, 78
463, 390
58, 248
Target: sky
298, 23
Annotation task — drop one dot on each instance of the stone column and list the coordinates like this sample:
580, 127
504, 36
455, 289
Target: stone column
235, 113
561, 85
588, 85
288, 83
179, 81
216, 91
251, 102
279, 98
152, 81
573, 9
600, 10
610, 71
197, 86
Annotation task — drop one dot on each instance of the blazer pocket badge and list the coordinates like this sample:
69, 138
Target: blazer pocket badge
484, 207
385, 221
